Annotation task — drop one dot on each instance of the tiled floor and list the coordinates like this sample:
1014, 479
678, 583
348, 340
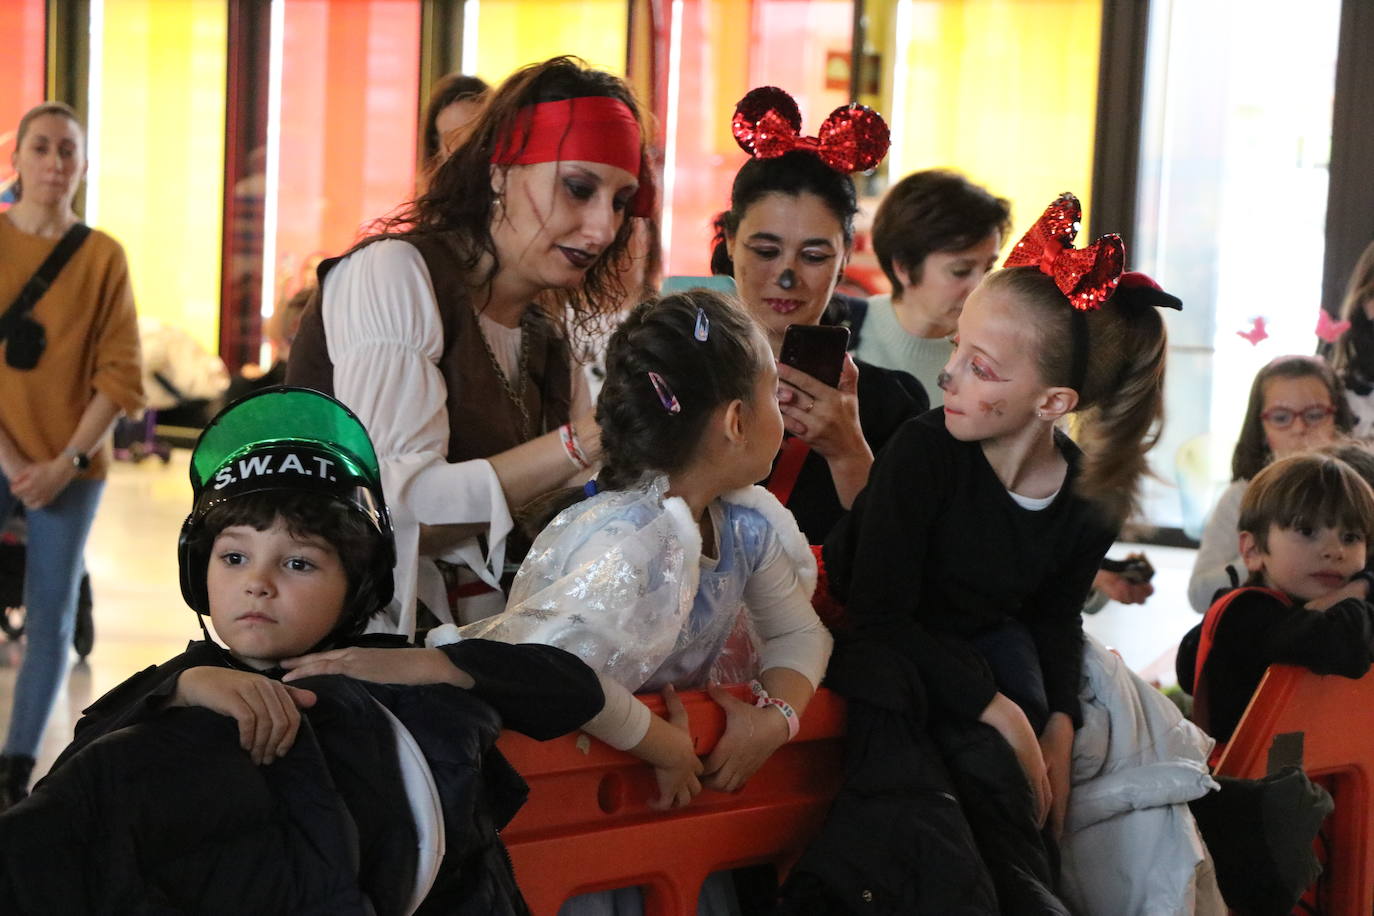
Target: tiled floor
141, 620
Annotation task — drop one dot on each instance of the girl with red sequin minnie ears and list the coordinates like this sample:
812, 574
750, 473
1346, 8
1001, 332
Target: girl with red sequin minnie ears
785, 240
440, 333
972, 549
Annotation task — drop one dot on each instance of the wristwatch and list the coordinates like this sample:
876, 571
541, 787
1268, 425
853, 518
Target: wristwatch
80, 460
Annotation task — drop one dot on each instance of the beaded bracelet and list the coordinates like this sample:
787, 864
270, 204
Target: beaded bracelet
573, 447
788, 713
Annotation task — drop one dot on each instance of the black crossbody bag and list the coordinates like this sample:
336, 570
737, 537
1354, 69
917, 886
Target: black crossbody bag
24, 337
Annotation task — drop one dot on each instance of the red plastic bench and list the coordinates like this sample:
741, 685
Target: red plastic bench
1329, 720
587, 825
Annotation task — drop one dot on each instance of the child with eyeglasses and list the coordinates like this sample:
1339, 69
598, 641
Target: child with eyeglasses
1296, 403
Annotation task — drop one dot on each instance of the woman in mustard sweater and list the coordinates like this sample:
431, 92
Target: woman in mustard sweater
64, 386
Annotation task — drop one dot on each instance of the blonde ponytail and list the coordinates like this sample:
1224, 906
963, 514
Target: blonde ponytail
1121, 405
1121, 398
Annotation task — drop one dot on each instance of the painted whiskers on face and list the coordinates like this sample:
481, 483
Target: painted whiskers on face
994, 408
991, 384
788, 252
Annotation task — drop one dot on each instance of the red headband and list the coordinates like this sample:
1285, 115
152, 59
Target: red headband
767, 124
588, 129
1085, 276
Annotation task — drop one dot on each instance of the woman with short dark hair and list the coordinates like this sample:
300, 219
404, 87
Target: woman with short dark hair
935, 234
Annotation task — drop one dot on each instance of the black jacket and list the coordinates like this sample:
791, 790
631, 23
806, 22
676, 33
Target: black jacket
932, 818
155, 810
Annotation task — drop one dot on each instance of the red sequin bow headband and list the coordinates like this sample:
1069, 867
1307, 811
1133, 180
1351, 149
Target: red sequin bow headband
1087, 276
767, 124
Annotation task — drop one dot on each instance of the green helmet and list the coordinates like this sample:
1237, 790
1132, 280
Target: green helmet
298, 440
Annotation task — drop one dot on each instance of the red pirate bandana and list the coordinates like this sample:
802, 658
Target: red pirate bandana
588, 129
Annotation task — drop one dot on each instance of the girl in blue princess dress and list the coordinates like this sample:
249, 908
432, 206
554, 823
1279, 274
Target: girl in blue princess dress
646, 580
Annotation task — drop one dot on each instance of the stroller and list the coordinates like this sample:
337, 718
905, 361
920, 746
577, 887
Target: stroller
184, 385
13, 549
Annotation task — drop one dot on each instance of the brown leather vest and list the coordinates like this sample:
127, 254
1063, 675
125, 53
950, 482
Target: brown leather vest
483, 420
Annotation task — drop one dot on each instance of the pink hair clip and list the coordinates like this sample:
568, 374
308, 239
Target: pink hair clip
665, 394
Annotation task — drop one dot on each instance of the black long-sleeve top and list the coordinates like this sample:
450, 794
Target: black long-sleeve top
1259, 629
936, 552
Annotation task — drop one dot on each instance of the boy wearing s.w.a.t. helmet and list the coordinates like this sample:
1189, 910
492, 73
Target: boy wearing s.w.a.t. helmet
208, 779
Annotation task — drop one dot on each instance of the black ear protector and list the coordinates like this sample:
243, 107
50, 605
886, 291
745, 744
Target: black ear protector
193, 589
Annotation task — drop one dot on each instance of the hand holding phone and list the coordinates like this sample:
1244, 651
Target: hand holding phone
816, 349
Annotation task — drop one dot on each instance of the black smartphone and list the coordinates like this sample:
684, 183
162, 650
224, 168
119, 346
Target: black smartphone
816, 349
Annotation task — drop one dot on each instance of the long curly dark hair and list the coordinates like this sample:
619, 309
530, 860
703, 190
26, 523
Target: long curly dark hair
460, 198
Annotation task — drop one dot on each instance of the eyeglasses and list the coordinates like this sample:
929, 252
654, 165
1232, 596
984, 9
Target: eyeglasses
1283, 417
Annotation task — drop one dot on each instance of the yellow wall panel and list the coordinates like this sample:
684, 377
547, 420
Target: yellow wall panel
157, 172
1002, 90
513, 33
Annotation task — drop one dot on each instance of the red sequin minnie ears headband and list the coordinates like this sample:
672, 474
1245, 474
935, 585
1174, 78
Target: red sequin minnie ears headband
767, 124
588, 128
1087, 276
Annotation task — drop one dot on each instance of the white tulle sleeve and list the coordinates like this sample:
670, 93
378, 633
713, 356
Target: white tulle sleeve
610, 580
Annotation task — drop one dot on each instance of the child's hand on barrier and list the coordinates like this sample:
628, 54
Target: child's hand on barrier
674, 757
1056, 746
1005, 716
751, 736
267, 711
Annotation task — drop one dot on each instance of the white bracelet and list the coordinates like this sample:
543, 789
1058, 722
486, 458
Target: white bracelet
788, 713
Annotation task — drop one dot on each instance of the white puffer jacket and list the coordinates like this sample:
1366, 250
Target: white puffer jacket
1130, 844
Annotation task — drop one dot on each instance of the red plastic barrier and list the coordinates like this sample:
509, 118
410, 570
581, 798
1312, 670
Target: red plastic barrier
587, 825
1329, 715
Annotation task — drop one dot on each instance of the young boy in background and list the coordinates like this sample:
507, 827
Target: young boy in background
1305, 525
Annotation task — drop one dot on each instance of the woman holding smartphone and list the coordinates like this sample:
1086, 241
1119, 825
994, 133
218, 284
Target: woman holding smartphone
786, 239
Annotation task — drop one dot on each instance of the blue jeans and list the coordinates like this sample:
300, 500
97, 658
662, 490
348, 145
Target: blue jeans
52, 576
